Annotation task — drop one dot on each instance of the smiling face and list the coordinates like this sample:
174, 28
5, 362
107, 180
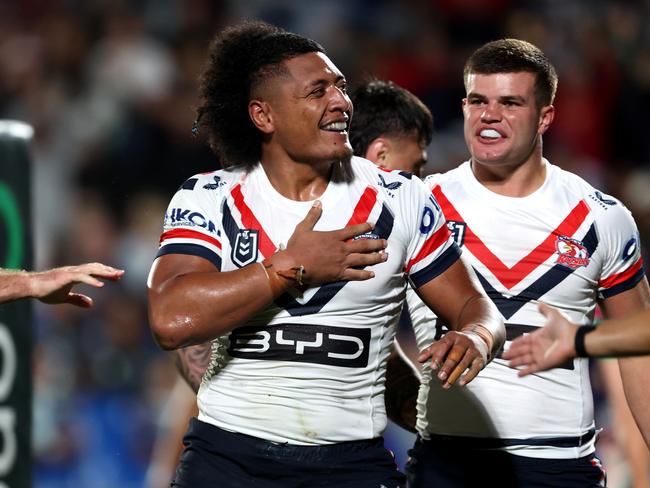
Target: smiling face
305, 112
503, 124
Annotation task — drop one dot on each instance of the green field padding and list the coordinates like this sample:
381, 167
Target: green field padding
16, 317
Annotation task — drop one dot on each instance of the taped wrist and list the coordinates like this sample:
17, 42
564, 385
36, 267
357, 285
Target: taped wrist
485, 335
281, 280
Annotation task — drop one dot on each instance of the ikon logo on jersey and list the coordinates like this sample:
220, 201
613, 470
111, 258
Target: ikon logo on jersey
573, 253
320, 344
244, 251
181, 217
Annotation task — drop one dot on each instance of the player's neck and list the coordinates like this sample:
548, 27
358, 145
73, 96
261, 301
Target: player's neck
297, 181
512, 180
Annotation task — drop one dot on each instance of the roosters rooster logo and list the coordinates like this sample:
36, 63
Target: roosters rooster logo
572, 253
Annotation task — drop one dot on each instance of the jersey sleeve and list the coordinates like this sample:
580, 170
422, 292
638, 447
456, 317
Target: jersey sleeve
431, 249
189, 226
623, 265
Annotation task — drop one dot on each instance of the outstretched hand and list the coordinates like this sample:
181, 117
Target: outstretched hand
547, 347
455, 353
55, 285
330, 255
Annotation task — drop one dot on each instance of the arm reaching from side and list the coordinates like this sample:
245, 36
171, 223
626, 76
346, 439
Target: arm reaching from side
545, 348
54, 286
554, 343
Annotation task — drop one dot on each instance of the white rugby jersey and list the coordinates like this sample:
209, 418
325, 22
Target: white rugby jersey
566, 245
310, 370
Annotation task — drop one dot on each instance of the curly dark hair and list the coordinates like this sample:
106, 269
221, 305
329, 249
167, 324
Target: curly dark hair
513, 56
384, 108
241, 58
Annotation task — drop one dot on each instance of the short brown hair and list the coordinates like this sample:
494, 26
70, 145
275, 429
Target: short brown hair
513, 56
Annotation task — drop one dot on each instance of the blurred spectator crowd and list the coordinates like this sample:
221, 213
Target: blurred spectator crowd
110, 88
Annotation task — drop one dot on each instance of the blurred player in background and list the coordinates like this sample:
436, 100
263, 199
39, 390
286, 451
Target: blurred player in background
391, 127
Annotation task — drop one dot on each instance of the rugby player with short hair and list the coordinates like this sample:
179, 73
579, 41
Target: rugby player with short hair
533, 233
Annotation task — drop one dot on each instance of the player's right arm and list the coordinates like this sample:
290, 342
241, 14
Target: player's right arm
191, 302
629, 336
554, 343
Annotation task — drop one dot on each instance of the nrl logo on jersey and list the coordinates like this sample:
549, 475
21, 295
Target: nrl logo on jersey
244, 251
572, 253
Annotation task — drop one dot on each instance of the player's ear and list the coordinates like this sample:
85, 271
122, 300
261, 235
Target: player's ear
378, 150
260, 113
546, 116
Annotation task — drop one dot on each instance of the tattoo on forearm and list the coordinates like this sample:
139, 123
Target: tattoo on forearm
192, 362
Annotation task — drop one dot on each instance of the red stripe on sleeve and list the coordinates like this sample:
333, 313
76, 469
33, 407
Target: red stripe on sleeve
437, 239
188, 234
622, 276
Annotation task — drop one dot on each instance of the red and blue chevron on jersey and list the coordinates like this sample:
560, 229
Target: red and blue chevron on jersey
566, 245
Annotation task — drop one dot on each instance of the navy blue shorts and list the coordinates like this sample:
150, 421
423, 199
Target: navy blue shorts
442, 464
217, 458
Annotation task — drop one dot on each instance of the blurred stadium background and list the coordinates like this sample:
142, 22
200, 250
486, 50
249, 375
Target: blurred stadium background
110, 86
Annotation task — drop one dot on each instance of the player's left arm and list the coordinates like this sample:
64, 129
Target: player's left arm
450, 289
477, 327
636, 381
